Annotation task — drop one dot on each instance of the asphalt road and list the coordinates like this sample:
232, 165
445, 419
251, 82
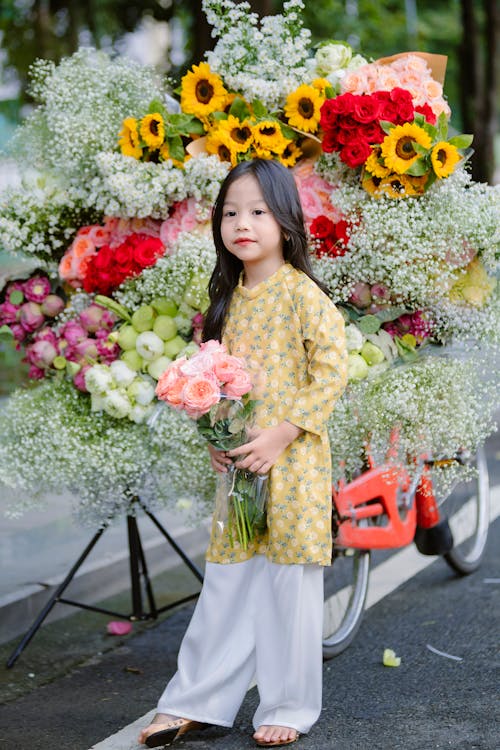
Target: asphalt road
428, 702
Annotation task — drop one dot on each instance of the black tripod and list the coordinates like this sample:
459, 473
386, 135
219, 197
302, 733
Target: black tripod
138, 570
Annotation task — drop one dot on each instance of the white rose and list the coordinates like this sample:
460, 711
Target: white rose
356, 62
116, 404
122, 374
332, 56
98, 379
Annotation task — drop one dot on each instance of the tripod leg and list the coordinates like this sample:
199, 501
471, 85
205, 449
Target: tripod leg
53, 600
192, 567
138, 568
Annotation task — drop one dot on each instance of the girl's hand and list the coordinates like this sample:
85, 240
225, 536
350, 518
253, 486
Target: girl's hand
218, 459
265, 447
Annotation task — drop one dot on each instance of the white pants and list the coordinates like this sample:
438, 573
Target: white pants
254, 618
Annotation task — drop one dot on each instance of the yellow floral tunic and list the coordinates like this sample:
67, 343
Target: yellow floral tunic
292, 339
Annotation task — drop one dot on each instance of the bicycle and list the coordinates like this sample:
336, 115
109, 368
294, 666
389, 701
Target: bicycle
383, 509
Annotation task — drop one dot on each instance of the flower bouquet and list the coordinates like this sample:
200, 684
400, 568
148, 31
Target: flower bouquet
213, 388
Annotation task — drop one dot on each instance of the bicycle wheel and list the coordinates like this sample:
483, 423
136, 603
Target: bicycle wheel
468, 511
346, 586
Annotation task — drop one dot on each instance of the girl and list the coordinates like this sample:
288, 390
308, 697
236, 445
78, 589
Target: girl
260, 610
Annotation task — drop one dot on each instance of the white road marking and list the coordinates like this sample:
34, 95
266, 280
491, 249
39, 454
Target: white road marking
384, 579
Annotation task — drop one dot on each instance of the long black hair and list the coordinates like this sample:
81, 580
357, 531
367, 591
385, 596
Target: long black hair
282, 198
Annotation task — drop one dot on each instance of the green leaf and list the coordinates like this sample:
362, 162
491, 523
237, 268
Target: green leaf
420, 149
329, 92
442, 127
195, 127
157, 106
405, 351
368, 324
5, 333
386, 126
419, 119
259, 109
418, 168
239, 108
288, 132
219, 116
175, 148
461, 141
430, 130
391, 313
114, 306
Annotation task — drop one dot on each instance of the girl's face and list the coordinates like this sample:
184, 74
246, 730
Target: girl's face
249, 230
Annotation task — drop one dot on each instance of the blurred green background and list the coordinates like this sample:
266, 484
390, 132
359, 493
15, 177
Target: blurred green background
171, 35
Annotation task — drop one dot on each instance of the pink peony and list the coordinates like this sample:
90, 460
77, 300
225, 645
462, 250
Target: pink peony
79, 379
18, 332
36, 373
52, 305
46, 334
31, 316
199, 395
86, 349
9, 313
37, 289
73, 332
41, 354
91, 318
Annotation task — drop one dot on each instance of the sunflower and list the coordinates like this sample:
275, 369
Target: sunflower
321, 84
398, 150
371, 184
202, 92
302, 108
129, 138
444, 157
239, 131
397, 186
418, 183
374, 166
290, 154
152, 130
268, 137
219, 142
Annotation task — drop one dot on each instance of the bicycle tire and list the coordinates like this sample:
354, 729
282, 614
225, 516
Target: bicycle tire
346, 587
468, 507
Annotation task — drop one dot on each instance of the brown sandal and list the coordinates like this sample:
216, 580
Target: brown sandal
173, 731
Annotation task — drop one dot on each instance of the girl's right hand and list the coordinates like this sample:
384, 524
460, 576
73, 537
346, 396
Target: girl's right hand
219, 459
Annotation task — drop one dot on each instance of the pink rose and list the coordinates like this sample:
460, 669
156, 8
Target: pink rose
200, 394
99, 235
36, 373
227, 367
212, 346
240, 385
201, 363
169, 378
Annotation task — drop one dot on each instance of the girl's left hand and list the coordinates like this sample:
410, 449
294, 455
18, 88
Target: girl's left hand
265, 447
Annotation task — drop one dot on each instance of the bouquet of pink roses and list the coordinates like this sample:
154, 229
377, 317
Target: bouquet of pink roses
213, 388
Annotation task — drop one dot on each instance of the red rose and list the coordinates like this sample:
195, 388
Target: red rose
404, 103
367, 108
330, 142
322, 227
147, 252
373, 133
344, 104
341, 232
347, 136
427, 112
355, 153
124, 258
328, 115
104, 258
